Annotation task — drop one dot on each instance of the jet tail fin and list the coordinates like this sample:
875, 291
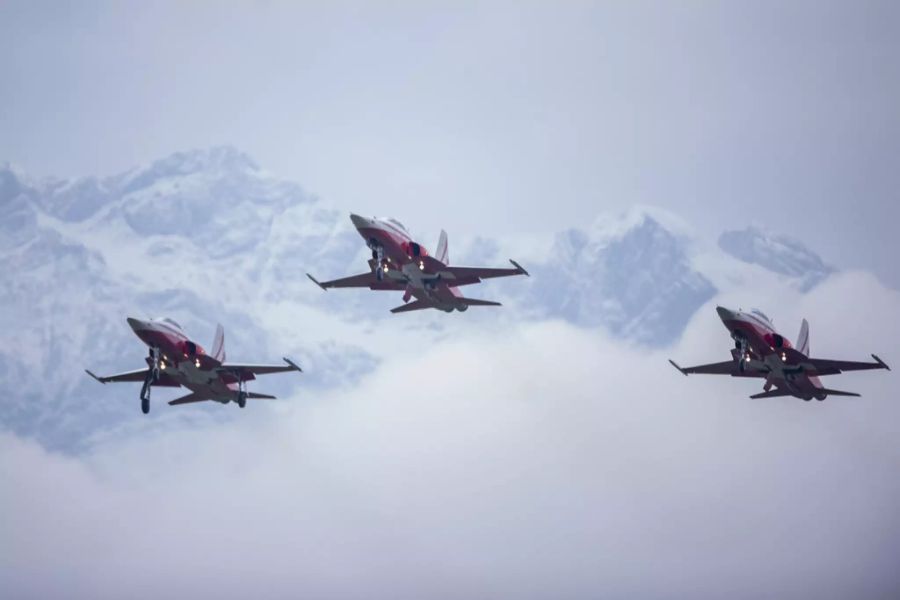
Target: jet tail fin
443, 251
218, 345
803, 338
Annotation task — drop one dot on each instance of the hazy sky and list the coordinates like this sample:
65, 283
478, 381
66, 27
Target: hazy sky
532, 459
531, 115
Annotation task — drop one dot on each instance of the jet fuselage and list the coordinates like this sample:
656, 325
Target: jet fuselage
759, 345
184, 360
394, 247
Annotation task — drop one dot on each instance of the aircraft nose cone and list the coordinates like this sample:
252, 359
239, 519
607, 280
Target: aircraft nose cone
135, 323
725, 314
358, 221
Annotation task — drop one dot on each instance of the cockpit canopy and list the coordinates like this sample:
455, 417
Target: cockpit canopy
397, 223
171, 322
758, 313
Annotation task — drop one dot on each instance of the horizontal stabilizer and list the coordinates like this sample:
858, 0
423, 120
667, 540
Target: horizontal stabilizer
840, 393
476, 302
771, 394
414, 305
192, 397
257, 396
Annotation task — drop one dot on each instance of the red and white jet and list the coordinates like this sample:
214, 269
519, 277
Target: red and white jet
174, 361
400, 264
759, 351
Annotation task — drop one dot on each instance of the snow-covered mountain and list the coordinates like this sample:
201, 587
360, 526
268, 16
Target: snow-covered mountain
630, 275
777, 253
208, 236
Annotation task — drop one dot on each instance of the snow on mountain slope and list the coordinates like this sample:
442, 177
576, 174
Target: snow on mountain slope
776, 253
629, 274
207, 236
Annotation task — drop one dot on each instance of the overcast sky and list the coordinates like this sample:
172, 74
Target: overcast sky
491, 116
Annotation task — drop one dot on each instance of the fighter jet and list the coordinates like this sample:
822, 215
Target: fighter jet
759, 351
400, 264
174, 361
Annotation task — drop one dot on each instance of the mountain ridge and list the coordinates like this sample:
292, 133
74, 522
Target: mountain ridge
207, 236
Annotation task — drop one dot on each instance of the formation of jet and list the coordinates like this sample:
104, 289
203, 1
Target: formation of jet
400, 264
761, 352
176, 361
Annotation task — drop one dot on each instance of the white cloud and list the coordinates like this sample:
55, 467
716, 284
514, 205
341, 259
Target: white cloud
549, 462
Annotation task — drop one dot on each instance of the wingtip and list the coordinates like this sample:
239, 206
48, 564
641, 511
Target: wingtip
316, 281
680, 370
883, 364
519, 268
292, 364
94, 376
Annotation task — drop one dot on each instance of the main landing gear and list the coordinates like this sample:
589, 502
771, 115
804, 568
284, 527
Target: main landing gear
378, 257
151, 378
242, 393
740, 345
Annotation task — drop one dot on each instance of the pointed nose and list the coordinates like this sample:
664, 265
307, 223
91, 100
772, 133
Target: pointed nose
135, 324
725, 314
358, 221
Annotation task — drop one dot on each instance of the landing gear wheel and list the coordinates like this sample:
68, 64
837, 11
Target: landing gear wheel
242, 393
145, 392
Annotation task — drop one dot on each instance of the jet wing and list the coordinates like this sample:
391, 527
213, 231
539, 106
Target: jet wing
723, 368
363, 280
465, 275
231, 372
138, 375
820, 366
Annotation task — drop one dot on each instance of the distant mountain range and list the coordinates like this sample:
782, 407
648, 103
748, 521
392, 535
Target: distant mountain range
206, 236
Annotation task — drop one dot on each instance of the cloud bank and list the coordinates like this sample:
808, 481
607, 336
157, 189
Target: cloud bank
550, 461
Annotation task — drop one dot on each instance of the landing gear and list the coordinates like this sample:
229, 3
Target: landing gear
378, 257
151, 378
242, 393
741, 345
